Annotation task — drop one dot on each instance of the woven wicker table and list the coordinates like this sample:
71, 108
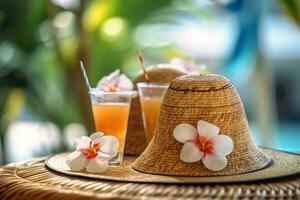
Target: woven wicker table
32, 180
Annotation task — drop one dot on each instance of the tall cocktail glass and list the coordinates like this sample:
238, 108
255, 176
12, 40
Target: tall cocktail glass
151, 95
111, 111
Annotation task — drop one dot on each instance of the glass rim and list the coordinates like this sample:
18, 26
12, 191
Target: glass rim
97, 92
152, 85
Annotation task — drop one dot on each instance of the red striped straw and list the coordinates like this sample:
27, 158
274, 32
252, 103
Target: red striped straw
141, 60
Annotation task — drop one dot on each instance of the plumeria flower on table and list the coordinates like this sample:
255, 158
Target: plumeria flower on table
115, 82
203, 143
93, 153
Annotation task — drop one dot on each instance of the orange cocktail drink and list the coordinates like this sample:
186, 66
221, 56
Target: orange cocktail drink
111, 119
111, 111
151, 97
151, 108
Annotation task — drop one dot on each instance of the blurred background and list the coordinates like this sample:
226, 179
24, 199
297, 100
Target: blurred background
43, 97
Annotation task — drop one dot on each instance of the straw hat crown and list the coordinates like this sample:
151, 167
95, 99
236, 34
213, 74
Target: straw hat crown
191, 98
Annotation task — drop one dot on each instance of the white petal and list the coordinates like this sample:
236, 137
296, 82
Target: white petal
114, 76
111, 79
124, 83
109, 144
223, 145
103, 84
214, 162
106, 156
96, 137
76, 161
82, 142
72, 156
96, 165
184, 132
207, 130
190, 153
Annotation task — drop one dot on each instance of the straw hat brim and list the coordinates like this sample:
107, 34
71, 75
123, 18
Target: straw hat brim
284, 164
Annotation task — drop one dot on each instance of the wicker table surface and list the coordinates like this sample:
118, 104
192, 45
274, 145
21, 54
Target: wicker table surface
32, 180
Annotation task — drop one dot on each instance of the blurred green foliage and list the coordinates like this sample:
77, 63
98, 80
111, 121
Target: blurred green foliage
42, 41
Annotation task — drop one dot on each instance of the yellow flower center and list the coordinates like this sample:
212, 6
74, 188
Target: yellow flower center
92, 151
204, 144
112, 88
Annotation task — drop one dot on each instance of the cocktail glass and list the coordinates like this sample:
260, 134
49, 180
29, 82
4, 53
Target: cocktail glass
111, 111
151, 95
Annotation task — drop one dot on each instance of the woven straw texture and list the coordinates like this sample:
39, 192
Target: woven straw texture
136, 139
31, 180
201, 97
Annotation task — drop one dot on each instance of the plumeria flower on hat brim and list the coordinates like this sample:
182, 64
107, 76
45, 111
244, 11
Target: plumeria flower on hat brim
203, 143
93, 153
115, 82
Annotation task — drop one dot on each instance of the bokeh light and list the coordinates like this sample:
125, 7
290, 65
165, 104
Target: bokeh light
67, 4
63, 19
113, 27
95, 14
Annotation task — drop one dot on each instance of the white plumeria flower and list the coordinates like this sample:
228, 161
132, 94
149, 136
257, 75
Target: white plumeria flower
115, 82
93, 153
203, 143
189, 67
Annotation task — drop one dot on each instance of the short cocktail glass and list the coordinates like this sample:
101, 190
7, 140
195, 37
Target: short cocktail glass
111, 112
151, 96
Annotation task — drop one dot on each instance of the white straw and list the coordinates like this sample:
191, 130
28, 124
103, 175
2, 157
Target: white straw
85, 76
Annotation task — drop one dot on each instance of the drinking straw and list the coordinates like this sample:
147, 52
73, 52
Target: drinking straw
141, 60
85, 76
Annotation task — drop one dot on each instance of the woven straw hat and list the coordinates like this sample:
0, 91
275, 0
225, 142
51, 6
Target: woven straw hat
201, 97
135, 139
